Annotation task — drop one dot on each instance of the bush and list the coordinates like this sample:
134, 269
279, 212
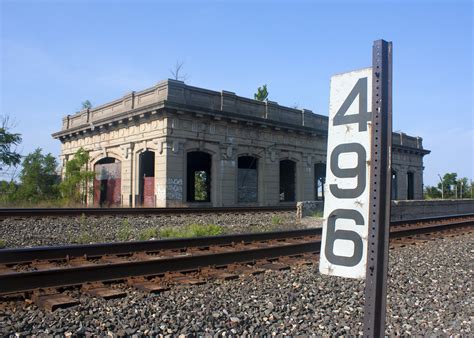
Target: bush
192, 230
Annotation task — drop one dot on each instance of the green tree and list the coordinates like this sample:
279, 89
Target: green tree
447, 185
8, 140
86, 104
261, 94
8, 192
432, 192
39, 180
450, 186
76, 184
200, 186
464, 187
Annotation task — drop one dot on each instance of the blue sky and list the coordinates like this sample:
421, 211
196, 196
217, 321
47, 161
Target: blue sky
56, 54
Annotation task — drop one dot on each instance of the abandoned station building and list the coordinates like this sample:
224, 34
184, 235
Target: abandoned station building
177, 145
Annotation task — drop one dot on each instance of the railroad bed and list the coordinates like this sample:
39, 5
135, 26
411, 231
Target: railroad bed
298, 300
68, 226
42, 267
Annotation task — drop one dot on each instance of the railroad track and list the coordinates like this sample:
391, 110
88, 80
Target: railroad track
153, 266
43, 212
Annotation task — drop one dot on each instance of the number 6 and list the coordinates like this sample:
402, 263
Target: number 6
332, 235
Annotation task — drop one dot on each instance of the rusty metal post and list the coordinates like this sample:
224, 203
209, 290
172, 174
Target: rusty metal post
380, 172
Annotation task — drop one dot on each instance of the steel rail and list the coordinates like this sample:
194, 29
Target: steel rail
38, 212
60, 277
22, 255
429, 219
27, 281
400, 232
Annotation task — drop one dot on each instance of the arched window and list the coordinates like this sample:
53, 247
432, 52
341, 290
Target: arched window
198, 176
247, 179
287, 181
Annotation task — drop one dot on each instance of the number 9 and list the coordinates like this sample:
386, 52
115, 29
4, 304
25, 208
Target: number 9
358, 171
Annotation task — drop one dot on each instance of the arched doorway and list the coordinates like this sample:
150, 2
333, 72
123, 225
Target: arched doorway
319, 180
107, 182
287, 181
247, 179
410, 186
394, 185
146, 181
198, 176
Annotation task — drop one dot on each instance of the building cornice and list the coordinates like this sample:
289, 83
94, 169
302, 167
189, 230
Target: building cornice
171, 96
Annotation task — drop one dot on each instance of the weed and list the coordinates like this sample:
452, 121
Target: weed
125, 231
3, 243
84, 238
88, 232
148, 233
83, 221
192, 230
276, 220
317, 214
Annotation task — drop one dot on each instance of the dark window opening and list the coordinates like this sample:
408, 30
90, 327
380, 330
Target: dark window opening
394, 185
247, 179
146, 186
198, 176
319, 180
410, 186
287, 181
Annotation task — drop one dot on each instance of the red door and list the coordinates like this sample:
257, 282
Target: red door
148, 191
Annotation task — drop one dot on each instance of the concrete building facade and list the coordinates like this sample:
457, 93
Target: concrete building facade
177, 145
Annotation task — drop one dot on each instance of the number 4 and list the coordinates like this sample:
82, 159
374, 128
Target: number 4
360, 89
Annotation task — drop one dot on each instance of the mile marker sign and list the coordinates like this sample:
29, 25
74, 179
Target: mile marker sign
358, 174
346, 204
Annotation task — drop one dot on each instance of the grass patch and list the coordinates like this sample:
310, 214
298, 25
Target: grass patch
88, 232
317, 214
148, 233
3, 243
192, 230
125, 231
276, 220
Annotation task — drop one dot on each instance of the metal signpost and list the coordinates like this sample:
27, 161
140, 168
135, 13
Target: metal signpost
377, 257
357, 201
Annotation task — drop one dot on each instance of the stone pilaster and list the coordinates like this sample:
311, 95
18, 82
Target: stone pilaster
127, 174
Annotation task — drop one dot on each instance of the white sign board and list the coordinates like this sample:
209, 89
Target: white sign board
346, 204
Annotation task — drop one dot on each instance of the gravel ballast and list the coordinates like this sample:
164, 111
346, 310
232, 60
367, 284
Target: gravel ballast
429, 293
47, 231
